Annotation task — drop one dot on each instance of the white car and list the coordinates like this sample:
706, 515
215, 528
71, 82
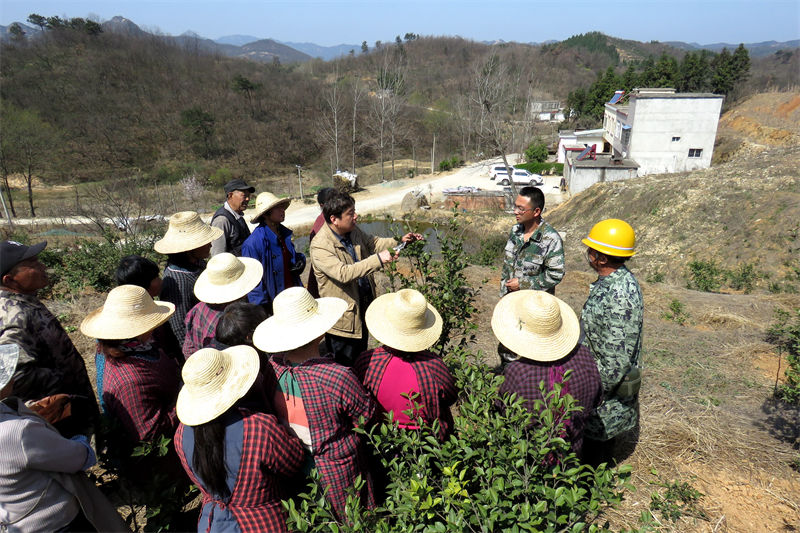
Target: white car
497, 169
520, 177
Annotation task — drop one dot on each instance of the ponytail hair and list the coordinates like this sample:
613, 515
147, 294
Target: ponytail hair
208, 461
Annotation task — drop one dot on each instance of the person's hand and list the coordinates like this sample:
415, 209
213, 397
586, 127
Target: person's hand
386, 256
512, 284
91, 457
52, 408
411, 237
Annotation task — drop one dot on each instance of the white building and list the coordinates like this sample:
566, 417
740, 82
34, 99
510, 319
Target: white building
546, 111
663, 131
580, 174
569, 140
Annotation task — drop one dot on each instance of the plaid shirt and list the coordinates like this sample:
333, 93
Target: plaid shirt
524, 376
140, 391
201, 326
178, 288
437, 387
334, 400
268, 455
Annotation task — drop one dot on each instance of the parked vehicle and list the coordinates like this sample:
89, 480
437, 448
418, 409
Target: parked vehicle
520, 177
495, 169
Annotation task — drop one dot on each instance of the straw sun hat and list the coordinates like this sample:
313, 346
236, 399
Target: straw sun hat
227, 278
266, 201
404, 320
536, 325
298, 320
186, 232
213, 380
128, 312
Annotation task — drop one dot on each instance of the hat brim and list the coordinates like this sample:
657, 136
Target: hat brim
509, 330
175, 243
273, 336
116, 327
602, 248
394, 336
219, 294
258, 214
32, 251
197, 406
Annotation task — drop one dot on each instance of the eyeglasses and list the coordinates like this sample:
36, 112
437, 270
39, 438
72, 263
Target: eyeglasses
518, 209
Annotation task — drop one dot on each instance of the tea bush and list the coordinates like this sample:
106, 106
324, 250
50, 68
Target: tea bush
704, 276
502, 469
441, 279
785, 334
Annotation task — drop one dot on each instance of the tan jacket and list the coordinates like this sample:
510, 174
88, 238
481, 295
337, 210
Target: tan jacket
337, 274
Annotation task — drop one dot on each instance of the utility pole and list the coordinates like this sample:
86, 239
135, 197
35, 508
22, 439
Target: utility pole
5, 210
300, 181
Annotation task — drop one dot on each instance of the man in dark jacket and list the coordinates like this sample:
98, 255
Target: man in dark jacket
229, 218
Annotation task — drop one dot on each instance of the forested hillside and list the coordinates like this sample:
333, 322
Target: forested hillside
89, 105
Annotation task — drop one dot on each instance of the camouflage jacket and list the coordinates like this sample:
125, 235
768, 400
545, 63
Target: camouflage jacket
538, 263
48, 361
611, 321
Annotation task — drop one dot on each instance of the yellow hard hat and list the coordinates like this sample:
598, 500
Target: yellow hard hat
612, 237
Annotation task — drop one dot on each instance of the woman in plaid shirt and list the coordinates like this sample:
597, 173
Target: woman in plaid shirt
239, 459
407, 379
320, 399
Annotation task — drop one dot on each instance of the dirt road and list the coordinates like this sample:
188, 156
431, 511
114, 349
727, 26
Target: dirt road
385, 196
378, 198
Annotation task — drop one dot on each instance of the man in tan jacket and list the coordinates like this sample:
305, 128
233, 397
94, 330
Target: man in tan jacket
344, 259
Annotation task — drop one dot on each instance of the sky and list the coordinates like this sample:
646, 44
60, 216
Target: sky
332, 22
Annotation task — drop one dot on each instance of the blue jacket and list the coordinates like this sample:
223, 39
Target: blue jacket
263, 245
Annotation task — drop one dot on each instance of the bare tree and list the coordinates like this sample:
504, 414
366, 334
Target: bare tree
492, 96
387, 105
331, 123
130, 206
357, 95
27, 146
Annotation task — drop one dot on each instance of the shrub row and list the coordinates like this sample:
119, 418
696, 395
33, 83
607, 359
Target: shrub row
542, 168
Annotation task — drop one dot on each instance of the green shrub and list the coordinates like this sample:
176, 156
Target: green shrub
705, 276
679, 499
220, 177
449, 164
441, 279
501, 469
536, 152
542, 168
785, 334
496, 472
744, 277
655, 277
677, 312
92, 263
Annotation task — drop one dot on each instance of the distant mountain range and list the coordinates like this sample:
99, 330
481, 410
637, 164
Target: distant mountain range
761, 49
269, 50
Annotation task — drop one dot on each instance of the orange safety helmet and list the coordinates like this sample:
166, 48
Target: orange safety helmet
612, 237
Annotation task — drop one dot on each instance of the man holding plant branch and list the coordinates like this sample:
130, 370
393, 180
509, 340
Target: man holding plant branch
344, 259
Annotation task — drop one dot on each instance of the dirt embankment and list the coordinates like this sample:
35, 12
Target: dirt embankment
762, 120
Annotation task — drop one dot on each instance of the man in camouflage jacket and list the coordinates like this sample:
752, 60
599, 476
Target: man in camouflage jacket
611, 321
534, 253
49, 364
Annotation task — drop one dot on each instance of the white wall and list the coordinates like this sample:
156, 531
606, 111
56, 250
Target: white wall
655, 121
581, 178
